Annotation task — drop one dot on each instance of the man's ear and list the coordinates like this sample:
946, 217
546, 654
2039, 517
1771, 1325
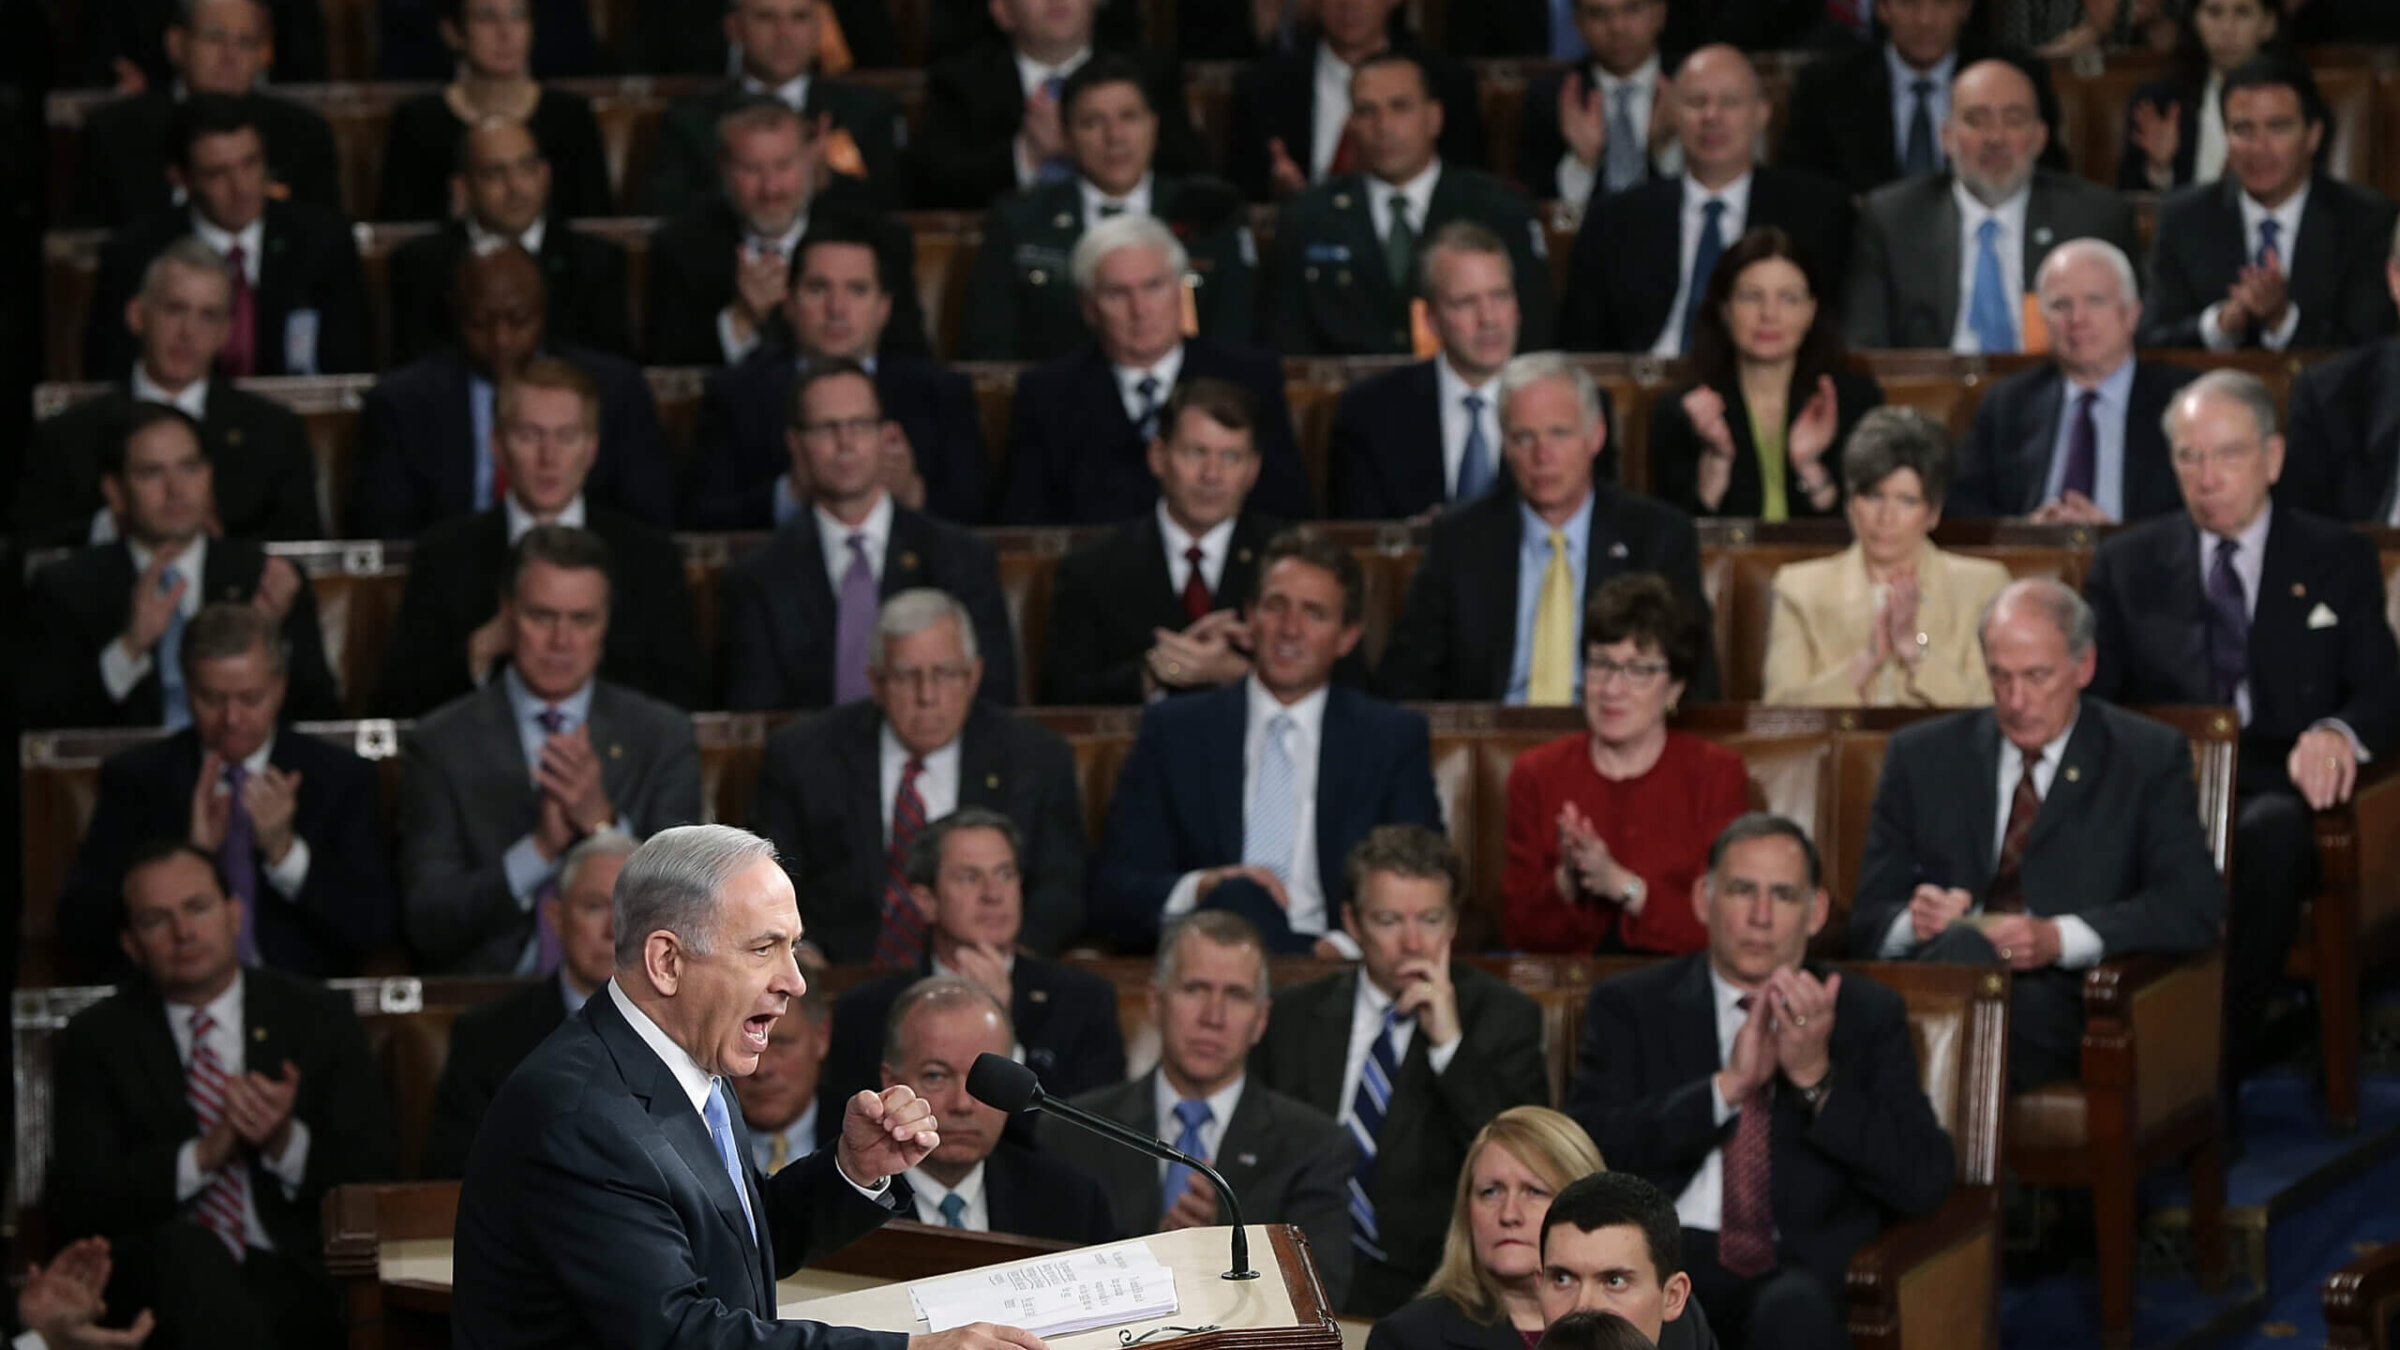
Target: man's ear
1678, 1291
662, 961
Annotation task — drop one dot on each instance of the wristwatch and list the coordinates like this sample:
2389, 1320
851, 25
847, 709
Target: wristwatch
1813, 1096
1636, 891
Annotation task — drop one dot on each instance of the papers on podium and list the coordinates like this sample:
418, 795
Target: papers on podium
1053, 1295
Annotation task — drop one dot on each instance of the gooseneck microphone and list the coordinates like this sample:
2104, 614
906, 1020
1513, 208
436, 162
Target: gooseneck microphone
1003, 1084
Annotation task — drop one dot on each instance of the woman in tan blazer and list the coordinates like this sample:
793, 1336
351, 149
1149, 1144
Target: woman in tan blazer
1889, 621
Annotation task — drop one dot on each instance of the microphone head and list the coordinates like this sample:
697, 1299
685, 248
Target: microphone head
1002, 1083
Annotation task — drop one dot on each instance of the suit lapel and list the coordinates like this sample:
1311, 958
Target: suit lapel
1030, 1003
1983, 797
2037, 440
1425, 476
1366, 246
1329, 1042
904, 553
1225, 766
454, 461
1941, 245
1335, 799
2317, 270
1239, 581
859, 759
277, 296
1496, 561
607, 729
152, 1065
2079, 768
1160, 600
1693, 1027
812, 590
2181, 615
2277, 621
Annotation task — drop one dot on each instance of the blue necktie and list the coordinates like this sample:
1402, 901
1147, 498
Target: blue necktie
1267, 837
1475, 465
1057, 168
2082, 472
1988, 315
1917, 154
1147, 423
720, 1129
1626, 159
175, 704
954, 1210
1373, 1098
2270, 240
1704, 266
1195, 1115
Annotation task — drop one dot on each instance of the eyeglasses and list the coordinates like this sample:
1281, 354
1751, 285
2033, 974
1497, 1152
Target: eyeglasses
1635, 673
525, 435
847, 428
940, 678
2189, 458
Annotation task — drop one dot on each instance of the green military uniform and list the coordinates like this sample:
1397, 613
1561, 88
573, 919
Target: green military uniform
684, 169
1021, 300
1330, 294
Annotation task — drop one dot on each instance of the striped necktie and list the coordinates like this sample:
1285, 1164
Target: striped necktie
221, 1203
1367, 1107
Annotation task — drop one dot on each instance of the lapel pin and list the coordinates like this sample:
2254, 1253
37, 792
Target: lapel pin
233, 435
1062, 221
2041, 235
1246, 1159
1242, 556
258, 1033
991, 780
1038, 995
1618, 550
615, 751
1341, 201
908, 560
2074, 775
1342, 278
2299, 591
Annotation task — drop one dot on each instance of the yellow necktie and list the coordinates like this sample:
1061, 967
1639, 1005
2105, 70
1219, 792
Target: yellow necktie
1552, 678
778, 1153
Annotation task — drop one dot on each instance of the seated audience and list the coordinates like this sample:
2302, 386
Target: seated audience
2275, 254
299, 302
1249, 797
2341, 462
1155, 607
1944, 259
995, 115
427, 430
2175, 127
975, 1179
962, 877
1081, 426
838, 302
1595, 127
955, 26
1643, 257
2270, 610
1292, 112
1889, 621
487, 1042
213, 47
1611, 1242
1759, 428
410, 44
2123, 867
1411, 1102
59, 1306
783, 1100
503, 182
1779, 1101
1608, 829
1346, 249
497, 785
201, 1113
779, 45
1287, 1161
124, 44
493, 41
105, 624
265, 479
1547, 547
269, 804
800, 611
452, 635
1021, 301
2095, 458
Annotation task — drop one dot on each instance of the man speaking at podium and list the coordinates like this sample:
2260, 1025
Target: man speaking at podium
609, 1199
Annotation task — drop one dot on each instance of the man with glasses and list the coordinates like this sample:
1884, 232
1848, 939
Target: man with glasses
800, 613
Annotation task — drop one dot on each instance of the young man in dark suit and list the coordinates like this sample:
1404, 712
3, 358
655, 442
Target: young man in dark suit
1455, 639
105, 623
1410, 1051
264, 477
1292, 106
300, 305
2238, 600
2343, 457
545, 435
799, 612
1609, 1243
1593, 126
790, 1108
202, 1113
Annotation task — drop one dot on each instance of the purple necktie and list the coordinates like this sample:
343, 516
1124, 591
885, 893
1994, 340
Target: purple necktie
237, 858
2228, 623
854, 620
547, 950
2083, 450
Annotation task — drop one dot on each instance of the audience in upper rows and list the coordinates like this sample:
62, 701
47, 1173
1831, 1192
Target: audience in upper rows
493, 43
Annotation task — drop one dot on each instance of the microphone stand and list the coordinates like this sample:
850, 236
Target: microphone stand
1133, 1138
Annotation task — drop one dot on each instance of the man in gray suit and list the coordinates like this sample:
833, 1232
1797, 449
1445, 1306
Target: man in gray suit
497, 785
1287, 1161
1945, 260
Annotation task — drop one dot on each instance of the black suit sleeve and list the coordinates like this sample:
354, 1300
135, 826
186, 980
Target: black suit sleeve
682, 314
966, 157
342, 347
2181, 900
60, 682
1282, 489
429, 668
956, 467
1976, 495
1890, 868
754, 674
1351, 491
311, 692
1647, 1128
1417, 662
978, 588
290, 511
1075, 668
2173, 301
87, 908
101, 1182
1499, 1061
1867, 309
2323, 434
347, 901
349, 1121
1675, 457
1876, 1125
1677, 558
2112, 627
2370, 678
1055, 848
599, 313
460, 1098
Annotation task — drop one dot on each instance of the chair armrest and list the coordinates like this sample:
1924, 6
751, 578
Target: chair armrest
1957, 1247
2111, 988
2371, 814
2356, 1297
2164, 1014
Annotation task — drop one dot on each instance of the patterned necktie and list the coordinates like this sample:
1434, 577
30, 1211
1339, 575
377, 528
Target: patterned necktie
237, 860
220, 1204
2270, 241
1193, 1112
1196, 599
239, 356
1626, 161
2007, 893
2228, 623
1550, 677
175, 705
1918, 156
1057, 168
901, 937
1988, 316
854, 621
1268, 835
1399, 244
779, 1152
720, 1131
1367, 1107
1146, 421
1746, 1221
954, 1210
1709, 248
548, 951
2083, 450
1475, 463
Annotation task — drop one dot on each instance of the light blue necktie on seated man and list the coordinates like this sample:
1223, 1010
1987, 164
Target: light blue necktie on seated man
1367, 1108
1988, 312
720, 1129
1475, 470
2270, 240
954, 1210
1193, 1112
174, 701
1269, 834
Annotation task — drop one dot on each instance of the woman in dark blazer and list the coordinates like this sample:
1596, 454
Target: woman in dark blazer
494, 43
2174, 130
1757, 432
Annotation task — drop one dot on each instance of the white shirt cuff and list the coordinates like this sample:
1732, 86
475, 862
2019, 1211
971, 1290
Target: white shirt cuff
29, 1340
1349, 949
2079, 948
1438, 1057
735, 347
188, 1176
1022, 160
1574, 179
292, 1167
1719, 1109
288, 876
2280, 336
525, 870
1183, 899
2358, 748
1900, 938
104, 527
2214, 338
121, 670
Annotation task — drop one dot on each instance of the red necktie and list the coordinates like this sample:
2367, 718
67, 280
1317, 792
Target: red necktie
1746, 1222
2007, 894
219, 1205
1196, 599
902, 936
1345, 155
240, 357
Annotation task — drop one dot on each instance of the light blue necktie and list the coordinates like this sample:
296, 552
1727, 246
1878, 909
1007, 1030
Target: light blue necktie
1475, 465
720, 1129
1367, 1107
1704, 266
1627, 158
1194, 1113
954, 1210
175, 704
2270, 240
1275, 806
1988, 316
1146, 389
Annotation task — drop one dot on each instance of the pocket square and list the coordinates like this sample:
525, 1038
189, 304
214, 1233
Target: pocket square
2322, 617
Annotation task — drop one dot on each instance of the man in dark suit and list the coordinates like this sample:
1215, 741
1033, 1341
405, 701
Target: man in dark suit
923, 747
215, 47
201, 1114
291, 820
1081, 427
963, 880
1292, 109
2076, 440
800, 611
428, 430
720, 268
545, 434
1779, 1102
1644, 255
2276, 612
2343, 459
300, 305
264, 478
1593, 126
123, 45
1994, 214
1456, 639
496, 786
2274, 254
489, 1041
1346, 249
837, 305
506, 185
1021, 299
1382, 1048
609, 1193
2075, 837
1287, 1161
105, 624
1609, 1243
857, 129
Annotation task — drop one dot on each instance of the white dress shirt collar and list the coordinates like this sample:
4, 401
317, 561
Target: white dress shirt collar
251, 237
694, 1080
2286, 217
1308, 711
1031, 73
930, 1194
937, 782
1644, 79
833, 539
1214, 544
792, 93
1735, 195
520, 520
1166, 371
481, 241
193, 400
1450, 390
1418, 191
1135, 202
